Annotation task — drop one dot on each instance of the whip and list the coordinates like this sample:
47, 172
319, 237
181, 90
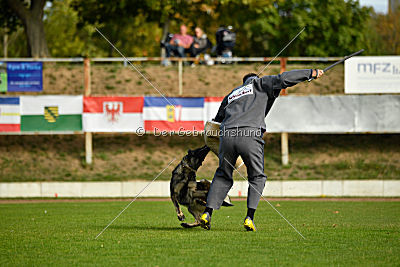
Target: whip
340, 61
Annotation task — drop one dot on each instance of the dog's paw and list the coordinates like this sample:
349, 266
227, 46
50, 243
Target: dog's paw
181, 217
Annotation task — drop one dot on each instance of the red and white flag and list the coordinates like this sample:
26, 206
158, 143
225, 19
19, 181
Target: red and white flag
211, 106
112, 114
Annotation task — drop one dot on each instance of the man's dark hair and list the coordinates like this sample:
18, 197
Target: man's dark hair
248, 76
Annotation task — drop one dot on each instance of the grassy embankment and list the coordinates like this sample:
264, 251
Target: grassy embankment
126, 157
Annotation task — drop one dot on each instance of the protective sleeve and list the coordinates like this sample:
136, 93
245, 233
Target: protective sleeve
290, 78
221, 111
284, 80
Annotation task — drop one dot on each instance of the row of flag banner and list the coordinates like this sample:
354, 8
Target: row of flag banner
63, 113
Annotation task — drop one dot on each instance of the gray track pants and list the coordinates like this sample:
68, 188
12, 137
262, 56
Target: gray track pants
251, 149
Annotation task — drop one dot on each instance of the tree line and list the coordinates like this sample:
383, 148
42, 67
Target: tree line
66, 28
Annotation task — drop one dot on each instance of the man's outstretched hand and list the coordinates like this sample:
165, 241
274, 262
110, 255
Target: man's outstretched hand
317, 73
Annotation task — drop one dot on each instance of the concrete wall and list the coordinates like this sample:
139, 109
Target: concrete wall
329, 188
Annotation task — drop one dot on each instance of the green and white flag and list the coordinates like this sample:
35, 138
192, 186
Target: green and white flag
51, 113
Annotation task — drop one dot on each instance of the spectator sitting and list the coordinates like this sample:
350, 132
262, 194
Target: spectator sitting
200, 43
226, 40
179, 44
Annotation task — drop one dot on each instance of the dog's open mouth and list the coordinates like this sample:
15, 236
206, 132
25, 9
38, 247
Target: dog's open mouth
202, 152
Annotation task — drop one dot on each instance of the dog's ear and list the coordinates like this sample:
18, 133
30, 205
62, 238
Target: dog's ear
190, 152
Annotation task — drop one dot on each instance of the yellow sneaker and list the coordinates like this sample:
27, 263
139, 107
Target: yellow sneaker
249, 224
205, 221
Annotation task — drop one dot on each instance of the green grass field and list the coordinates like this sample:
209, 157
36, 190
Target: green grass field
149, 234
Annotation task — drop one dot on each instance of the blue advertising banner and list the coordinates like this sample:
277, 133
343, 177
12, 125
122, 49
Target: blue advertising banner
24, 76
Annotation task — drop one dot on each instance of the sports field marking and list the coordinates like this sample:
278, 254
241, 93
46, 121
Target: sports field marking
127, 206
272, 206
144, 77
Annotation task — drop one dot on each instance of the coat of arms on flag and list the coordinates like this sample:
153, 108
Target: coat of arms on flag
112, 113
112, 110
51, 114
174, 113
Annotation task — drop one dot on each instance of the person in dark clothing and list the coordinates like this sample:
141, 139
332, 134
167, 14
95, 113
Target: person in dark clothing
242, 116
200, 43
226, 40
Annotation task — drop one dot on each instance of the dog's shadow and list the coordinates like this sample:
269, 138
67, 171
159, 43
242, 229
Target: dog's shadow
149, 228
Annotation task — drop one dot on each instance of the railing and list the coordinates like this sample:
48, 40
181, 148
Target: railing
155, 59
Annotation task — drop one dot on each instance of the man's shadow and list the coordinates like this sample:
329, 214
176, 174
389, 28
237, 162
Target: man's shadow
146, 228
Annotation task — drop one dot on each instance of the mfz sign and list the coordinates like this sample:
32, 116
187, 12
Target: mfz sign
378, 68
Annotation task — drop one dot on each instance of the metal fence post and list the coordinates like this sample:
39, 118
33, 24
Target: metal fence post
87, 81
88, 135
285, 148
283, 61
88, 147
284, 136
180, 77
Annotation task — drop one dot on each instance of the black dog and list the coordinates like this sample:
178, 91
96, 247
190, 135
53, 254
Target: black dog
186, 191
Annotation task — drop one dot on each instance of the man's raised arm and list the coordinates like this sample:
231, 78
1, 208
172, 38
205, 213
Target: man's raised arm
290, 78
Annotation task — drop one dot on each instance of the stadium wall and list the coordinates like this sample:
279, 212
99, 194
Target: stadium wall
127, 189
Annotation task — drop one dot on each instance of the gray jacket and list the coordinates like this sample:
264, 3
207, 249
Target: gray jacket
203, 41
249, 104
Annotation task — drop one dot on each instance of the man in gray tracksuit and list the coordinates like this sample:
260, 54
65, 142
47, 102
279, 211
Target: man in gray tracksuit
242, 117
